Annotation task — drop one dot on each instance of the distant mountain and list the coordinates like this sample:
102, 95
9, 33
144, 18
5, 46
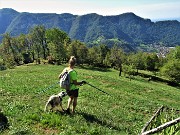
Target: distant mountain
165, 19
128, 29
6, 18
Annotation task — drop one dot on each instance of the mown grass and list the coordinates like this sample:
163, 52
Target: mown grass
129, 107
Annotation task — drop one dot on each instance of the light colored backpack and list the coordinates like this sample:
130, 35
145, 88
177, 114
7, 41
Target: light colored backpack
65, 80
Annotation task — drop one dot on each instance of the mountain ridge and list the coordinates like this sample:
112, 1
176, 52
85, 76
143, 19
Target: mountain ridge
88, 28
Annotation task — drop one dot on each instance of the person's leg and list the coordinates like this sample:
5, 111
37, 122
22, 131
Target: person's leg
74, 104
69, 104
76, 93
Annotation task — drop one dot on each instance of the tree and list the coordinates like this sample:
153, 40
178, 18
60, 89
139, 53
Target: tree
82, 52
172, 67
97, 55
129, 69
117, 57
8, 51
30, 47
92, 56
103, 49
22, 47
139, 61
79, 50
171, 70
174, 53
72, 49
151, 61
57, 41
39, 42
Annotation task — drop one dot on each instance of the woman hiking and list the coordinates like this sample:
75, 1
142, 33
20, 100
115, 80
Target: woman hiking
73, 91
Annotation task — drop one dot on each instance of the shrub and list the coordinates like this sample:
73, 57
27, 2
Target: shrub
171, 70
2, 66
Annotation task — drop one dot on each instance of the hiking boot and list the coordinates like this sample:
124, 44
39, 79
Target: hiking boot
68, 111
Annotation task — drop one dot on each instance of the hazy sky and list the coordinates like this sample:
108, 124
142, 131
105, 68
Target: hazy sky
152, 9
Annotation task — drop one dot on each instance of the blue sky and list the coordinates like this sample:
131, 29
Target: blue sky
152, 9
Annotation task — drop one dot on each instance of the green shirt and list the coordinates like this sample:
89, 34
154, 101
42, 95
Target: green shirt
73, 76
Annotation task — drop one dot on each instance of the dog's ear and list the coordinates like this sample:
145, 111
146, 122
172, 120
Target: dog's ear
62, 94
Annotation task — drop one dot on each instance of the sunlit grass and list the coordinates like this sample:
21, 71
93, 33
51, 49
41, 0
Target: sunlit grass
129, 107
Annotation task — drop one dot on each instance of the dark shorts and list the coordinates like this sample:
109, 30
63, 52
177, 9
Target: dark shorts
73, 93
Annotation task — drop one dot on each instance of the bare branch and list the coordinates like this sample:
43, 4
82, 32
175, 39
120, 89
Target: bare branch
164, 126
152, 118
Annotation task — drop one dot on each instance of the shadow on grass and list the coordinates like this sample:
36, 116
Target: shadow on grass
159, 79
93, 119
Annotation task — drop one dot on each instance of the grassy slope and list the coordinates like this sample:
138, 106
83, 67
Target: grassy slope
125, 112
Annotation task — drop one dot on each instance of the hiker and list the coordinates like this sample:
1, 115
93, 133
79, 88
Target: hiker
73, 91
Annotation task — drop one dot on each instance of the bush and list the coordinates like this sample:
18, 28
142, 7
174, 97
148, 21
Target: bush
10, 63
26, 58
171, 70
2, 66
51, 60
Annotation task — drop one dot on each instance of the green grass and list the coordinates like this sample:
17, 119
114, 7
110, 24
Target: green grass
125, 112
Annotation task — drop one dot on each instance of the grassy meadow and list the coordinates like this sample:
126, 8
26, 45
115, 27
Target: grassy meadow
125, 112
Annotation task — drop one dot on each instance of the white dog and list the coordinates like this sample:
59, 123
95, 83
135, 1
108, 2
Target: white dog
55, 100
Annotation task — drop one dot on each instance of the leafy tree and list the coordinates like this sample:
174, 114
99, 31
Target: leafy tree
117, 57
14, 50
8, 52
103, 50
39, 42
72, 49
174, 53
82, 52
92, 56
172, 67
107, 62
151, 61
79, 50
30, 47
171, 70
97, 55
177, 52
2, 65
161, 62
22, 47
139, 61
129, 69
57, 42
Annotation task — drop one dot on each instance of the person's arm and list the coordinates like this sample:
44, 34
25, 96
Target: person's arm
77, 83
74, 78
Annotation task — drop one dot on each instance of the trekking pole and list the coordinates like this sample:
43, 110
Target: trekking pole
98, 89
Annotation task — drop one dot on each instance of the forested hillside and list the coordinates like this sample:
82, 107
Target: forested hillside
127, 30
54, 46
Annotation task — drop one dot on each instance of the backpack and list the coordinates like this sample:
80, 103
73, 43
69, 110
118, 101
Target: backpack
65, 80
